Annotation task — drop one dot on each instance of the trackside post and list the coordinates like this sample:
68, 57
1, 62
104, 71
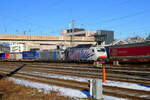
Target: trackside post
101, 61
91, 87
104, 76
96, 89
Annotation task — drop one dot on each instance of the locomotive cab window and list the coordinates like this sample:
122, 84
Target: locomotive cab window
62, 52
92, 50
101, 50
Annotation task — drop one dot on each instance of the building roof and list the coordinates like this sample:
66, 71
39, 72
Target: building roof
118, 42
135, 39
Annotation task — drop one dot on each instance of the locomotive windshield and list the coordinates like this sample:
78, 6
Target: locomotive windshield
62, 52
101, 50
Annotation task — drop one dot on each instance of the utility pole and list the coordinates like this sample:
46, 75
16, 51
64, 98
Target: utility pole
24, 32
72, 35
5, 30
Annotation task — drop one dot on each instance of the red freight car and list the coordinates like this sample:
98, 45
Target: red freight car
137, 52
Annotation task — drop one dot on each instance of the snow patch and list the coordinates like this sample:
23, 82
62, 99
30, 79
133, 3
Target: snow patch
63, 91
126, 85
108, 82
46, 87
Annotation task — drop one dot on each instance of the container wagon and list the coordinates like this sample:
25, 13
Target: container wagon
137, 52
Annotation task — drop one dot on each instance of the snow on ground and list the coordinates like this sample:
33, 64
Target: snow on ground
64, 91
126, 85
46, 87
81, 79
58, 76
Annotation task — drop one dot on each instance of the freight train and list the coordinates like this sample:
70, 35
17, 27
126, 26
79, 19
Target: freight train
80, 53
136, 52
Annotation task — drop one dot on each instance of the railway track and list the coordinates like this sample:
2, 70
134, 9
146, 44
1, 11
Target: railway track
86, 66
97, 70
89, 67
89, 73
79, 67
35, 71
108, 90
78, 71
48, 63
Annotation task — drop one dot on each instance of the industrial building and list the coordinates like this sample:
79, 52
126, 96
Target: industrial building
101, 36
77, 32
104, 37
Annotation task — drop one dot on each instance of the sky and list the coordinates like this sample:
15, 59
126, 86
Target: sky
127, 18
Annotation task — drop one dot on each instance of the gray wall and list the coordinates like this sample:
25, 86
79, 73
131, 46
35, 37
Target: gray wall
109, 35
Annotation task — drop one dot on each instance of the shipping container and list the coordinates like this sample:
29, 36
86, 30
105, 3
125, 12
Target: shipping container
30, 55
4, 56
16, 47
15, 57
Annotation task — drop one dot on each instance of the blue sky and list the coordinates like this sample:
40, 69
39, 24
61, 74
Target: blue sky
47, 17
